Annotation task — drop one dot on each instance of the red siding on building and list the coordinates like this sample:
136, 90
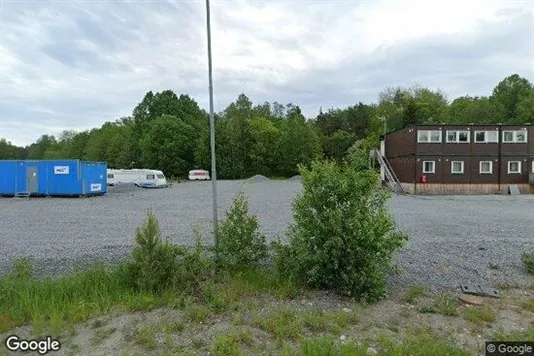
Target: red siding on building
514, 178
401, 142
404, 168
435, 177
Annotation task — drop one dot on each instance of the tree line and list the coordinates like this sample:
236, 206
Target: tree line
171, 133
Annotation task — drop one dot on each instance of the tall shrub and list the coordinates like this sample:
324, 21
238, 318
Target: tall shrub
241, 245
154, 260
342, 236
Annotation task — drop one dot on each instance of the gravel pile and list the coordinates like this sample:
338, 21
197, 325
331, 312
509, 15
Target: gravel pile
454, 240
295, 178
258, 178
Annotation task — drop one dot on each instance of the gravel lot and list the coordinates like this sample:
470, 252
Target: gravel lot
454, 239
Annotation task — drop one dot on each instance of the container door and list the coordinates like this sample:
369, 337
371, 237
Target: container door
31, 179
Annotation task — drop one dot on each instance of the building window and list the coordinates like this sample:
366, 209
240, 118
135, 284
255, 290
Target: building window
457, 167
110, 175
150, 176
514, 136
486, 137
486, 167
457, 136
429, 136
514, 167
429, 167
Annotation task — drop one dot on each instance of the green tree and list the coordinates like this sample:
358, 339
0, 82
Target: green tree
167, 146
478, 110
298, 144
525, 109
509, 93
263, 151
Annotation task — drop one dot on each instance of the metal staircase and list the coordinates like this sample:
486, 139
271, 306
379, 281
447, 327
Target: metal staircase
391, 178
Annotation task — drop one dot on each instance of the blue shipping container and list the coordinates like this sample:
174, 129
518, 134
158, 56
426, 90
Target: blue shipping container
52, 178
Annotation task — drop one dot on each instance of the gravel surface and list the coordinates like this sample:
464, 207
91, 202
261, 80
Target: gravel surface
454, 239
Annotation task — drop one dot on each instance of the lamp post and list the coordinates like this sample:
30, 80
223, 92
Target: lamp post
212, 136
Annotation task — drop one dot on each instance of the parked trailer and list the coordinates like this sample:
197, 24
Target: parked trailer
199, 174
52, 178
145, 178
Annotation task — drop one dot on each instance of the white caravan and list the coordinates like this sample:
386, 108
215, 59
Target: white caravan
199, 174
145, 178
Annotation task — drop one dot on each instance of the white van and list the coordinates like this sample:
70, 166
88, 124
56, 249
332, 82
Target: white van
199, 174
146, 178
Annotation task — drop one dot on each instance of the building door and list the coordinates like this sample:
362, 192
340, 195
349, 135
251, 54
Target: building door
31, 179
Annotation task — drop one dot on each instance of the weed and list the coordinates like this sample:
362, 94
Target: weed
146, 337
413, 293
74, 350
281, 323
316, 320
428, 309
528, 262
480, 315
420, 342
229, 343
102, 334
98, 324
446, 304
529, 305
198, 313
174, 327
508, 335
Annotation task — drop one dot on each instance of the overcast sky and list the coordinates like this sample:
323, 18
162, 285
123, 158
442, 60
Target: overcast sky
76, 64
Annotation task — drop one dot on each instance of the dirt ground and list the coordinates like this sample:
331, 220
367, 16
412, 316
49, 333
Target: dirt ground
265, 326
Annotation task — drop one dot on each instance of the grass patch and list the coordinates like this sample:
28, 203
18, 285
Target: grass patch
413, 293
480, 315
506, 335
528, 262
229, 344
102, 334
146, 337
282, 323
420, 342
198, 313
529, 306
446, 304
45, 302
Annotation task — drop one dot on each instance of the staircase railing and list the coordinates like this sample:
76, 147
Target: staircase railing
391, 178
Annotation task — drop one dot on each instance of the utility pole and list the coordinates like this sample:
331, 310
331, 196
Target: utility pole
212, 136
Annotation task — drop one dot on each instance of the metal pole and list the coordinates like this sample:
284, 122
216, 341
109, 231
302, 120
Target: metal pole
212, 136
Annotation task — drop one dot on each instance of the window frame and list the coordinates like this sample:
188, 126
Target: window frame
429, 135
514, 136
457, 140
519, 166
486, 136
452, 166
148, 177
433, 167
490, 168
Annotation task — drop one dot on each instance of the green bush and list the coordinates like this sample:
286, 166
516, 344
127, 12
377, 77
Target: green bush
241, 245
528, 261
195, 267
342, 236
154, 260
